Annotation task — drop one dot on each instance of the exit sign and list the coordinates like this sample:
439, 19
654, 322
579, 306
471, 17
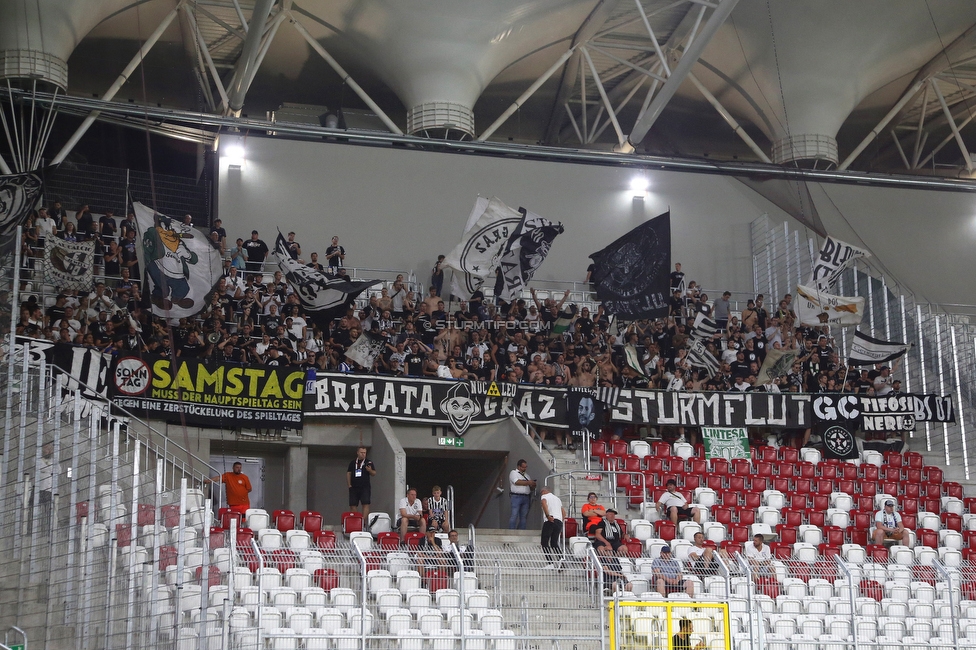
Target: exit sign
450, 442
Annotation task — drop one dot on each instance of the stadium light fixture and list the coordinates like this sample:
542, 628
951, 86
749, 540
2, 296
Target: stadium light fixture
235, 155
639, 185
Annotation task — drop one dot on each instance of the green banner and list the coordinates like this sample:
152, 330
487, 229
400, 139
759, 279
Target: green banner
726, 442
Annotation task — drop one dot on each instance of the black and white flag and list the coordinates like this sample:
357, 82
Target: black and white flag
19, 196
366, 349
866, 351
525, 252
584, 412
489, 227
69, 265
325, 296
704, 328
632, 274
833, 258
700, 357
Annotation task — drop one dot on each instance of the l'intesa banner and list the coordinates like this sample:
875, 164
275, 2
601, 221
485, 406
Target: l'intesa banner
209, 394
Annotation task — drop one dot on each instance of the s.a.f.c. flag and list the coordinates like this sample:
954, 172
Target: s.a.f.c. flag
488, 229
182, 266
525, 251
866, 350
631, 274
69, 265
326, 296
833, 258
815, 307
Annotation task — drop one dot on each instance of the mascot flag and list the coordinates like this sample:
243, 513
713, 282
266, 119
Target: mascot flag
631, 274
325, 296
525, 252
19, 196
181, 265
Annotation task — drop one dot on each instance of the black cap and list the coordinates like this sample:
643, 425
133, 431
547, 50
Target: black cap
889, 503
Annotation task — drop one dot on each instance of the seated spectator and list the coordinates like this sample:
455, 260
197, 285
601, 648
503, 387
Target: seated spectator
760, 557
682, 638
674, 506
438, 511
613, 574
666, 572
888, 525
607, 537
411, 514
703, 558
592, 514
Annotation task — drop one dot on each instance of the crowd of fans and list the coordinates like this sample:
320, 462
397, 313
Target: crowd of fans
255, 317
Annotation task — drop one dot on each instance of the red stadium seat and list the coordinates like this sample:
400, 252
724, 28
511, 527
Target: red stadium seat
570, 527
798, 501
171, 515
803, 486
764, 468
807, 469
740, 534
327, 579
861, 520
864, 503
660, 448
787, 470
868, 488
598, 449
244, 537
913, 459
827, 471
731, 547
123, 535
665, 530
722, 516
768, 586
631, 463
815, 517
719, 466
618, 448
786, 534
792, 517
968, 536
823, 486
911, 475
213, 573
932, 474
283, 559
846, 486
389, 541
833, 535
697, 466
767, 453
969, 555
878, 554
952, 521
218, 537
412, 540
952, 489
872, 589
311, 522
932, 504
352, 522
926, 537
931, 489
909, 521
789, 454
781, 550
691, 482
728, 498
715, 482
741, 467
752, 499
745, 516
699, 450
908, 506
819, 501
635, 548
857, 536
889, 473
893, 459
737, 483
889, 487
870, 472
325, 539
760, 483
624, 481
147, 514
284, 520
828, 551
652, 464
227, 515
925, 574
781, 484
81, 510
167, 557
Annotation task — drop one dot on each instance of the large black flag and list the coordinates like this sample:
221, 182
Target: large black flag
631, 274
325, 297
19, 196
525, 251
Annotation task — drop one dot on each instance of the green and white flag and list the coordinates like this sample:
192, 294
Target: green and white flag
726, 442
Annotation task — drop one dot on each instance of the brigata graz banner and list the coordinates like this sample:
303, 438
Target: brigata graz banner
458, 404
219, 395
754, 409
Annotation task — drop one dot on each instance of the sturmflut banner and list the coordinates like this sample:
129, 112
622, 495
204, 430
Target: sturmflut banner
219, 395
759, 409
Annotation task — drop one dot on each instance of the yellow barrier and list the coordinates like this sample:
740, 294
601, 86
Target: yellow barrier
650, 625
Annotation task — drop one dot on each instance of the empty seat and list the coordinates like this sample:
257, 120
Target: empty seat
361, 539
269, 538
257, 519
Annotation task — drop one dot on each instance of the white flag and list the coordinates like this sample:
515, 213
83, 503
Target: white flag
815, 307
486, 234
833, 258
69, 265
866, 351
183, 267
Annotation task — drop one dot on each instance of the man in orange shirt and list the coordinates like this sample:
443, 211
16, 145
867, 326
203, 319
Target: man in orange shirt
238, 487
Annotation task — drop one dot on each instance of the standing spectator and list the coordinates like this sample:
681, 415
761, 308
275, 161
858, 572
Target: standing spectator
438, 511
46, 226
411, 514
129, 257
59, 214
237, 259
437, 275
677, 279
106, 227
315, 263
520, 490
238, 487
334, 255
553, 516
256, 251
682, 638
887, 524
357, 478
294, 248
129, 223
221, 233
86, 223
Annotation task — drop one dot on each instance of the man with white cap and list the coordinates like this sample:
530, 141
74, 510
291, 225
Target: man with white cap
887, 524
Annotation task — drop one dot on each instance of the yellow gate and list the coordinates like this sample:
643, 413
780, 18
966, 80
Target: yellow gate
636, 624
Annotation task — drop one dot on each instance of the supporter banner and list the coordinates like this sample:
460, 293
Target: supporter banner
726, 442
631, 274
866, 350
69, 265
220, 395
19, 196
584, 412
182, 266
85, 368
459, 404
833, 258
888, 413
814, 307
838, 439
700, 357
525, 252
486, 233
786, 410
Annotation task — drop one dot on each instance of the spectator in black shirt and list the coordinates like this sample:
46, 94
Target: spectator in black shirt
192, 348
294, 248
315, 263
414, 362
256, 252
334, 255
106, 227
677, 278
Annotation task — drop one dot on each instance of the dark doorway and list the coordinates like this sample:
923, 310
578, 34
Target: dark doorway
473, 475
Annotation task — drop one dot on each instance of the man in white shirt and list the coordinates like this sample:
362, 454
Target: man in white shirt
759, 556
674, 506
887, 524
46, 226
520, 487
411, 511
553, 516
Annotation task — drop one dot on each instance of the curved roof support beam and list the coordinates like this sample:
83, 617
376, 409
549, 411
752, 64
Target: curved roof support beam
593, 23
966, 157
346, 79
606, 100
119, 82
739, 131
907, 97
247, 64
678, 75
205, 53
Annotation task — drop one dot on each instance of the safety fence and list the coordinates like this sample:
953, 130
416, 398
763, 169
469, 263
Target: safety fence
942, 356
